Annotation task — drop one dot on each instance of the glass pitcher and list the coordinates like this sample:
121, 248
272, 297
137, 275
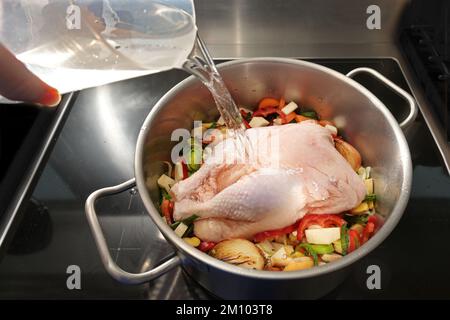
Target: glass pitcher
73, 45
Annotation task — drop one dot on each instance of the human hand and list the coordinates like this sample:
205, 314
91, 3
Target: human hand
20, 84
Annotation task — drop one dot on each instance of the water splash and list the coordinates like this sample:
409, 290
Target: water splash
201, 65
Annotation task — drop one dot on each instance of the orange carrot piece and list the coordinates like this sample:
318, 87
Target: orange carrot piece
300, 118
268, 102
291, 116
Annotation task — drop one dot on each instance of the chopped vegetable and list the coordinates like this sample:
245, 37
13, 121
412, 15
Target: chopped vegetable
309, 114
323, 235
289, 118
353, 241
322, 220
368, 172
330, 257
290, 107
300, 264
274, 233
246, 117
193, 241
195, 157
338, 246
268, 102
362, 208
357, 227
281, 257
165, 182
258, 122
266, 247
300, 118
362, 173
188, 221
369, 229
277, 122
165, 195
269, 111
322, 248
206, 246
344, 240
239, 252
181, 171
309, 250
361, 219
167, 210
181, 229
348, 152
370, 197
369, 186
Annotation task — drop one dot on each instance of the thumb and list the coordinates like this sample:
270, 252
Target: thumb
20, 84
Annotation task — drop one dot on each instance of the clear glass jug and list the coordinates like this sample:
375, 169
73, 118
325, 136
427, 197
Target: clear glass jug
73, 45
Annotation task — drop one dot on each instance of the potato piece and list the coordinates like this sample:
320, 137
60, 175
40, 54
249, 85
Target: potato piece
281, 257
300, 264
330, 257
337, 246
239, 252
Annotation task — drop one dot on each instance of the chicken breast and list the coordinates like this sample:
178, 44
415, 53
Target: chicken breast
290, 170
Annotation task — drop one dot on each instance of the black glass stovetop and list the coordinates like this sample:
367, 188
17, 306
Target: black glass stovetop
96, 149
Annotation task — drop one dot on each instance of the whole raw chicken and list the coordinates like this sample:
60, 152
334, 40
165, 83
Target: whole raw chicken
294, 169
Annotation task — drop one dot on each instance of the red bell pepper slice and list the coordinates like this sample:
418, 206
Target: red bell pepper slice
206, 246
274, 233
354, 240
268, 103
185, 170
167, 210
323, 220
369, 229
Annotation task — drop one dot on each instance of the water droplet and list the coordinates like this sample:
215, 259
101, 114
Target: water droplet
133, 191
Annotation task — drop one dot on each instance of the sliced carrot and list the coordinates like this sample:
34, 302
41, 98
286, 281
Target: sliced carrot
291, 116
268, 102
282, 103
300, 118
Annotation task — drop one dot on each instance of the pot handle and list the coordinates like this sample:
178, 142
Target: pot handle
111, 267
388, 83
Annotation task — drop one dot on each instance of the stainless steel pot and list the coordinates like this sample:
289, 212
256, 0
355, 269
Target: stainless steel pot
364, 121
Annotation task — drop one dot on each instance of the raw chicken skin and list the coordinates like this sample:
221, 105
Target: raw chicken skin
298, 171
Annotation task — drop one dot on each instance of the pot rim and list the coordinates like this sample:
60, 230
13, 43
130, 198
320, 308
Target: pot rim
345, 261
